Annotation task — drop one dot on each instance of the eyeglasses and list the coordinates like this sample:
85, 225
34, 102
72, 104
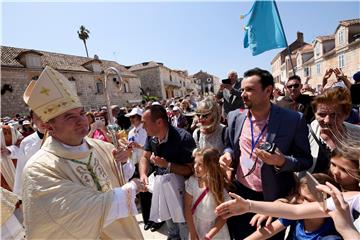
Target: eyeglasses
296, 85
203, 116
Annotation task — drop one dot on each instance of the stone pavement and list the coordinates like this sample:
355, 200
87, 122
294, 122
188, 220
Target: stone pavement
159, 234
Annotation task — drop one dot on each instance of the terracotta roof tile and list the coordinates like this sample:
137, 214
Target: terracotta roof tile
350, 22
58, 61
325, 38
145, 65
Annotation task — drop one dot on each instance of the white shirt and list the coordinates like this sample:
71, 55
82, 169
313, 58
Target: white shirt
354, 204
139, 136
28, 147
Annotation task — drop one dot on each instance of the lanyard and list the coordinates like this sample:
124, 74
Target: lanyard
253, 144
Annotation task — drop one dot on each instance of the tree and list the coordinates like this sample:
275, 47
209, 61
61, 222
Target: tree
84, 35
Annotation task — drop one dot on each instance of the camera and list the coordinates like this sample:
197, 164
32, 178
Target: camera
268, 147
226, 81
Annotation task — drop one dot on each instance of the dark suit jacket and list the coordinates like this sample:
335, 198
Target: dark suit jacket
302, 104
236, 101
288, 130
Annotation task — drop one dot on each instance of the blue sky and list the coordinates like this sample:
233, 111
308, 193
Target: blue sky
190, 35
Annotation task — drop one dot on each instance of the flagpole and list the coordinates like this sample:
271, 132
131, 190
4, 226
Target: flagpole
287, 45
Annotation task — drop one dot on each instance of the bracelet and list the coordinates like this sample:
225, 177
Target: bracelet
249, 201
207, 238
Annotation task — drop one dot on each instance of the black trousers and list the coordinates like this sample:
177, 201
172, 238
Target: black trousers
145, 203
145, 199
239, 226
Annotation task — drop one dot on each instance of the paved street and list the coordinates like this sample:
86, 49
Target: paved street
160, 234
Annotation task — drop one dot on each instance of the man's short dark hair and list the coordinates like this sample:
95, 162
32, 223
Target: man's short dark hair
157, 112
266, 78
295, 77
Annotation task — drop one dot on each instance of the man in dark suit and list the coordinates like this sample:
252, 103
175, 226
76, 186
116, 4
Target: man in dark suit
260, 174
231, 94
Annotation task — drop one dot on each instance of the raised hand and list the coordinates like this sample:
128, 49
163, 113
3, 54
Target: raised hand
328, 73
121, 155
341, 215
225, 162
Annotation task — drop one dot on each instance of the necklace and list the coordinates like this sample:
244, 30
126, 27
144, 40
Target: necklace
91, 171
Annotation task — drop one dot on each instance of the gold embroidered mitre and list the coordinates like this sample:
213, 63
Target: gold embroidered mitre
51, 95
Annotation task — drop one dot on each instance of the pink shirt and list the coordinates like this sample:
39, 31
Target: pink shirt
252, 181
99, 135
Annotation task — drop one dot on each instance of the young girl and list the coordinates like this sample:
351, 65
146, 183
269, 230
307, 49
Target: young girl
315, 228
345, 170
204, 191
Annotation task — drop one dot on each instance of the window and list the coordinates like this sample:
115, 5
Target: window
299, 60
307, 72
99, 87
126, 87
73, 85
341, 37
33, 61
317, 50
318, 70
96, 67
341, 60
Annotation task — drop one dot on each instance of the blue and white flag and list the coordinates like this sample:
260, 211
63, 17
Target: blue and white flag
264, 30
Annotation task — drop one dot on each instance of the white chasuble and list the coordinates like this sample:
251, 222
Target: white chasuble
68, 195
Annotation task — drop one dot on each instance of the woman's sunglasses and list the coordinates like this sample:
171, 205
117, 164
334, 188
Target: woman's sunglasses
203, 116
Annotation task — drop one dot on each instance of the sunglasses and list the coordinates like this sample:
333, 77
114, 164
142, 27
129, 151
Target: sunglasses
203, 116
296, 85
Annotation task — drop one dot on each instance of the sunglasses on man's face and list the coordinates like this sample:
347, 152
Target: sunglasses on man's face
294, 86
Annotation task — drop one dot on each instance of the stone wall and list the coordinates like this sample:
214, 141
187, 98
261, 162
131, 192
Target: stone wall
151, 81
12, 102
85, 83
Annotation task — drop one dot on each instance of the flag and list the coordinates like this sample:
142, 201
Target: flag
264, 30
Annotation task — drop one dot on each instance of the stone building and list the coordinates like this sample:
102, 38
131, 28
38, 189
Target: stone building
208, 83
338, 50
20, 66
161, 81
281, 65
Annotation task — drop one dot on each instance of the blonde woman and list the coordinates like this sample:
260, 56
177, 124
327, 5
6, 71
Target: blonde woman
209, 132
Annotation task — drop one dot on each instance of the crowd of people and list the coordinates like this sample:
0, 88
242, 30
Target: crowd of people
209, 167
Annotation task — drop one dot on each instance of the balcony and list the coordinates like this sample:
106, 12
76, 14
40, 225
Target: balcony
172, 83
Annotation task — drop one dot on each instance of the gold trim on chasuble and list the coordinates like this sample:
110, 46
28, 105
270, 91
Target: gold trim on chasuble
91, 173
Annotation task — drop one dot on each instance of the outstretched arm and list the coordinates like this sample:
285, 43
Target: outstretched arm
239, 206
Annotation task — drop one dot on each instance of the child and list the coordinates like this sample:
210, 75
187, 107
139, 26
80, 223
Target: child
344, 168
315, 228
204, 191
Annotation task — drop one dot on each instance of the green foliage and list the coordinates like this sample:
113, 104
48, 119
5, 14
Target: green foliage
150, 98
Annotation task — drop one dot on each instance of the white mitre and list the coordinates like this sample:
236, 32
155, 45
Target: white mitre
51, 95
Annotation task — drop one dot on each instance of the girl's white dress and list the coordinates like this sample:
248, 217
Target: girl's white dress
204, 216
